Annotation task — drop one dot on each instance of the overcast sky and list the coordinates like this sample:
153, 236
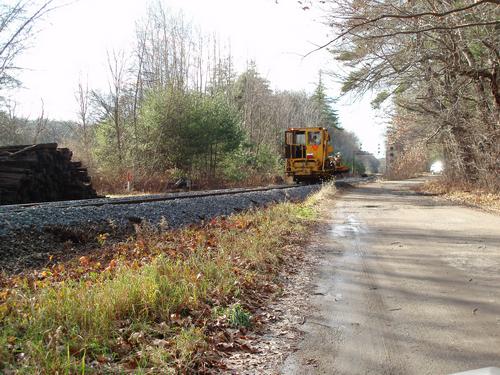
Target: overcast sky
73, 42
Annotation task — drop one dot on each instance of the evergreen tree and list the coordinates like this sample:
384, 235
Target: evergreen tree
328, 115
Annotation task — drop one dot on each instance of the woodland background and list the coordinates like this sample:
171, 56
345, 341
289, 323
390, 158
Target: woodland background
436, 68
176, 107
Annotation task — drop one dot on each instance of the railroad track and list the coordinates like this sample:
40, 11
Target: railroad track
29, 233
98, 202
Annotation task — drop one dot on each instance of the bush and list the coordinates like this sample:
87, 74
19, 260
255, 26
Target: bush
246, 162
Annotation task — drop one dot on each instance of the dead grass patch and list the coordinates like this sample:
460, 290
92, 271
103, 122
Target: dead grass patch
462, 194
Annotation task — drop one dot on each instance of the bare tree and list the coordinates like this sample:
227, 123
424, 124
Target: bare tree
83, 125
40, 123
16, 27
115, 107
165, 46
12, 128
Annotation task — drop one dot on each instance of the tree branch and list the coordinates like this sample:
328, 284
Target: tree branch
42, 10
434, 28
409, 16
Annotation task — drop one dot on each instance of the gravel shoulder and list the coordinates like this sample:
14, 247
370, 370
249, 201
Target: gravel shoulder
280, 319
405, 284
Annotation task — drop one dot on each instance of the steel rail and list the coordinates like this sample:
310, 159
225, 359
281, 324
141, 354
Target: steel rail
138, 199
98, 202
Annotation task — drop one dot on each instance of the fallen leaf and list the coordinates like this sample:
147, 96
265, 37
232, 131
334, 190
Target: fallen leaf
84, 261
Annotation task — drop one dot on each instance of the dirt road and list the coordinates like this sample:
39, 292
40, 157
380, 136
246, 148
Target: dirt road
406, 285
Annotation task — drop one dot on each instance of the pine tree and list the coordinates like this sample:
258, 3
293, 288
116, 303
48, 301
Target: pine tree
328, 117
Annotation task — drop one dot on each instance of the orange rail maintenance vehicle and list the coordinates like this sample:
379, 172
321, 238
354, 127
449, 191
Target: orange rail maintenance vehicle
309, 155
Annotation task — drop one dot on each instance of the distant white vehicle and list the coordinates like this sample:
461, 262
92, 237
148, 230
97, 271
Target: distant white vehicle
437, 167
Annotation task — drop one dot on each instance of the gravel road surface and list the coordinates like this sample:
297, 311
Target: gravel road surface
407, 284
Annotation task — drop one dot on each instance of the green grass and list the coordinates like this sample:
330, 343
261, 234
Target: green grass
238, 316
64, 326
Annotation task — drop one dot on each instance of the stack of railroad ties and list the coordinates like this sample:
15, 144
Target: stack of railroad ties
41, 173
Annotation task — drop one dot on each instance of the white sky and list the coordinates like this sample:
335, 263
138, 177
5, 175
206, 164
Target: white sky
74, 40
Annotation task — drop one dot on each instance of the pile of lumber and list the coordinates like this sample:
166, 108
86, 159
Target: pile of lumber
41, 173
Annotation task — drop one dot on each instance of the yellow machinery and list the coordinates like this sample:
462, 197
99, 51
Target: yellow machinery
309, 155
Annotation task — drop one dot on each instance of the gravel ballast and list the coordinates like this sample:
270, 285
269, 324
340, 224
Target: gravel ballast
29, 235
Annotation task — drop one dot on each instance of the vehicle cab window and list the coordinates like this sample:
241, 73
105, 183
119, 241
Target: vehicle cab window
314, 138
299, 138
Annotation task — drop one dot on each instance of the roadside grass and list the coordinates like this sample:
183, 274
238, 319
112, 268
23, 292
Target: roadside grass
153, 306
236, 315
465, 195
